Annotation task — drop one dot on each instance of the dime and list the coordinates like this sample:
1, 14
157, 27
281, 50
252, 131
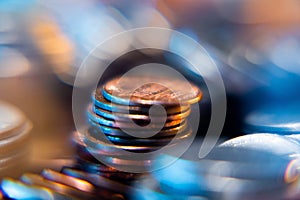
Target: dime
135, 90
101, 102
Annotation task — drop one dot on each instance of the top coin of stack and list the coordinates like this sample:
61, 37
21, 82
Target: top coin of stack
122, 107
14, 135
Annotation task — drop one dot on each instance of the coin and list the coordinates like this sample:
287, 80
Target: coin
127, 117
14, 142
12, 120
101, 102
277, 119
103, 148
99, 181
67, 180
98, 147
100, 169
38, 180
98, 120
10, 186
134, 90
164, 132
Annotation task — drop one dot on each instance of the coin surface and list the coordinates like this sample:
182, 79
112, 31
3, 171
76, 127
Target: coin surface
135, 90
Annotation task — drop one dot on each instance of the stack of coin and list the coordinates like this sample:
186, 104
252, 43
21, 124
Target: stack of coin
14, 135
131, 116
67, 184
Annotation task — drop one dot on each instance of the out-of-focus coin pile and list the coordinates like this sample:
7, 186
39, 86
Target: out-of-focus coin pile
67, 184
14, 137
118, 109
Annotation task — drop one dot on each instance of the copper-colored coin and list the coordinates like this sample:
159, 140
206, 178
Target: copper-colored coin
37, 180
134, 90
127, 117
98, 120
116, 132
101, 102
100, 181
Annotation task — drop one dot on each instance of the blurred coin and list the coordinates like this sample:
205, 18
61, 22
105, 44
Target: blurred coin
12, 63
14, 142
12, 120
96, 193
10, 186
37, 180
102, 170
274, 119
133, 91
67, 180
99, 181
101, 102
261, 142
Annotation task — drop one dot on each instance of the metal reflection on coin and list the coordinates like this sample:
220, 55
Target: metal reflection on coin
129, 92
